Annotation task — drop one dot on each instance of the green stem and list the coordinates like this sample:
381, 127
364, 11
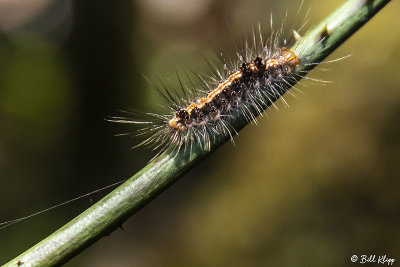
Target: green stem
110, 212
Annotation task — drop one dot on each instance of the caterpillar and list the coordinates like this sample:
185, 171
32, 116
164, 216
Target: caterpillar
264, 70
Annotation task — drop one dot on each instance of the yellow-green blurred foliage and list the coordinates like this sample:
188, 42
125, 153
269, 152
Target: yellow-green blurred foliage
311, 185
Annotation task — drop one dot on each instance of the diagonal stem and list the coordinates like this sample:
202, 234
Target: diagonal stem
111, 211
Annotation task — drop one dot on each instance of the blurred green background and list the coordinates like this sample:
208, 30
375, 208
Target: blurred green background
311, 185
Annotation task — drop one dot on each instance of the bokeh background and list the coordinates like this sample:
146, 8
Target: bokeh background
311, 185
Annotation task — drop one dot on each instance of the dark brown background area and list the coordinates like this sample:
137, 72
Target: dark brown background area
312, 184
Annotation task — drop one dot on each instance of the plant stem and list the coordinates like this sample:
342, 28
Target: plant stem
111, 211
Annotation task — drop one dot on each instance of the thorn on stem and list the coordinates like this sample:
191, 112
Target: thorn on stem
325, 32
296, 35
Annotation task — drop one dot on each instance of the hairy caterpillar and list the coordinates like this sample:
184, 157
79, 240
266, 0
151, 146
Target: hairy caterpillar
264, 70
